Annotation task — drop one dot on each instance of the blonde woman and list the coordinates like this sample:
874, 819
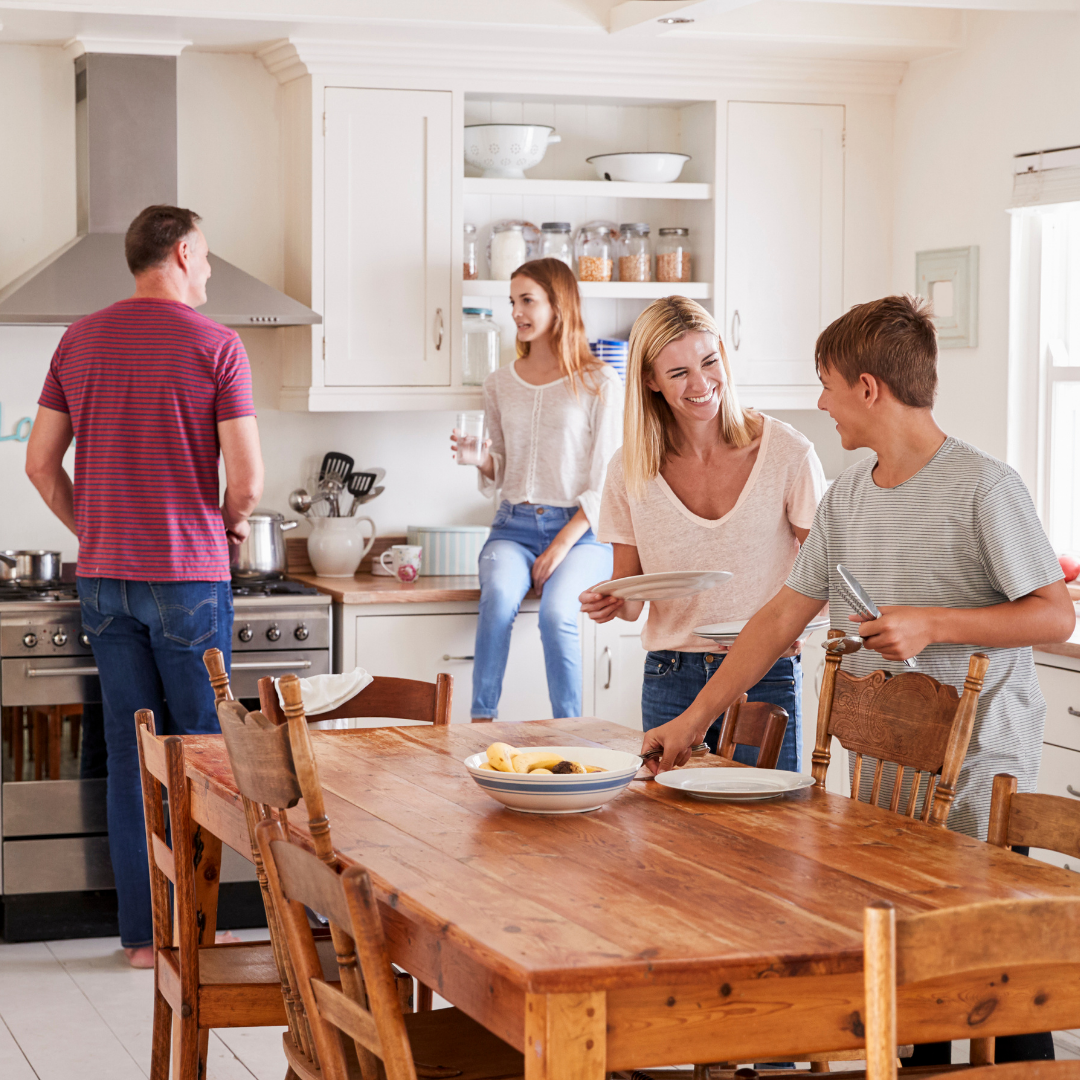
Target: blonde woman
702, 484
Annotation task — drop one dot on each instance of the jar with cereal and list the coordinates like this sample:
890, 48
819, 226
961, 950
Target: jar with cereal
673, 255
595, 247
635, 259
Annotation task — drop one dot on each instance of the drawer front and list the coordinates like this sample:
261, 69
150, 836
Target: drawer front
1058, 773
63, 864
1062, 692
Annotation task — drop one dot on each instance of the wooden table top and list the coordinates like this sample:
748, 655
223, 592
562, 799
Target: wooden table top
654, 887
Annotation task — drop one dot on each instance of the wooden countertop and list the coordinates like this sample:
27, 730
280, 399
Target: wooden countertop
369, 589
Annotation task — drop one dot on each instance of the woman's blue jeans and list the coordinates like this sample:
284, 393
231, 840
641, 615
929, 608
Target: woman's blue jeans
519, 534
674, 679
148, 640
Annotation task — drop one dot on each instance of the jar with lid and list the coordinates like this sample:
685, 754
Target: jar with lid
510, 245
481, 341
673, 255
555, 242
635, 259
470, 269
595, 249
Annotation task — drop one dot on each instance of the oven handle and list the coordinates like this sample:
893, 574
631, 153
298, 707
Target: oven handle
252, 665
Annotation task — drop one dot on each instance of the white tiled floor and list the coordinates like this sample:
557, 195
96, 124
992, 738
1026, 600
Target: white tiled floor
74, 1010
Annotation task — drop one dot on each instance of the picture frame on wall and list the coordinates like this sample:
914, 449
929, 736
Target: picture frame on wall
949, 279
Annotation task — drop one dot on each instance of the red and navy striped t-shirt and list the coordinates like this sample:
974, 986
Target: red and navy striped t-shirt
146, 382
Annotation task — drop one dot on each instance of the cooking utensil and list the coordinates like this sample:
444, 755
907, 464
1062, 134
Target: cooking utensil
359, 484
336, 465
856, 596
506, 150
301, 502
262, 555
366, 499
31, 569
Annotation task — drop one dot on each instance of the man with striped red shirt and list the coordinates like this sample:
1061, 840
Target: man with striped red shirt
151, 391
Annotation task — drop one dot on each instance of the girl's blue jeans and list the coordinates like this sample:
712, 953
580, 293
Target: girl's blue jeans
519, 534
674, 679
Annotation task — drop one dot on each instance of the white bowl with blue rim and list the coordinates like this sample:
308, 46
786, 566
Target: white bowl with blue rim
556, 793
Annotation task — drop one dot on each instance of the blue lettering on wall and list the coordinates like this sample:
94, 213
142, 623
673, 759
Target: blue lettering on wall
21, 431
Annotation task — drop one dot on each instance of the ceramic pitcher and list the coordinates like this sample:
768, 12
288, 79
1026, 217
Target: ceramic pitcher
336, 545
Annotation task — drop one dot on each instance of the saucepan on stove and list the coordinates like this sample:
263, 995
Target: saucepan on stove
30, 569
261, 557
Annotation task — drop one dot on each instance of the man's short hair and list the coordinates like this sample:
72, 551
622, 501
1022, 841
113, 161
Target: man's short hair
154, 233
892, 339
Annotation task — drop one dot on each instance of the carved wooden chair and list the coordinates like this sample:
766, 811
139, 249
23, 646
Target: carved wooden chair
198, 985
1019, 959
363, 1016
755, 723
910, 720
1040, 821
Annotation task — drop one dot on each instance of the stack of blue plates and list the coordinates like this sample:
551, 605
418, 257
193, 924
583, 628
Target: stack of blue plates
612, 352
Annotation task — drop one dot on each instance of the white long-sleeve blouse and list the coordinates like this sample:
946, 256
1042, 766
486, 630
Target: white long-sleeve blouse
548, 445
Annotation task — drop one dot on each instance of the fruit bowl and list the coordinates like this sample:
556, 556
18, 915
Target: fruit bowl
547, 793
505, 151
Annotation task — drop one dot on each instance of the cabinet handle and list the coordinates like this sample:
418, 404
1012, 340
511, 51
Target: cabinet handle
736, 330
447, 656
438, 329
1072, 791
607, 653
1073, 712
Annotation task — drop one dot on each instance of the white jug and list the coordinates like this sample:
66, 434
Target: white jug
336, 545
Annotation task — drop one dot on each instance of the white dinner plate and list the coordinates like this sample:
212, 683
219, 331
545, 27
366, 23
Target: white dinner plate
725, 633
670, 586
734, 785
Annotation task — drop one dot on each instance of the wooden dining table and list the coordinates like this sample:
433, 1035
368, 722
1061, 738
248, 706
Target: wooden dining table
658, 929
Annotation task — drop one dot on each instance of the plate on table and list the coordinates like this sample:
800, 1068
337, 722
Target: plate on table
673, 585
725, 633
734, 785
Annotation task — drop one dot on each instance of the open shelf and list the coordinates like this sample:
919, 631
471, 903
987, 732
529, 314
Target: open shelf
615, 290
604, 189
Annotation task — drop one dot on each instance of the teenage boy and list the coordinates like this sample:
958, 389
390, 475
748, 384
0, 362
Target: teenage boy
944, 539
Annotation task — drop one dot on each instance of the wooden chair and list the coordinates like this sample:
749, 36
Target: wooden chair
198, 985
1041, 821
1017, 960
363, 1015
756, 723
910, 720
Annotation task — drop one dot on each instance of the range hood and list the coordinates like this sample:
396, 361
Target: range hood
125, 125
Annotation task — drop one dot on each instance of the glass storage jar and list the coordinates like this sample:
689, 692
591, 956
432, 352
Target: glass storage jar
635, 260
511, 244
481, 342
470, 269
595, 249
673, 255
555, 242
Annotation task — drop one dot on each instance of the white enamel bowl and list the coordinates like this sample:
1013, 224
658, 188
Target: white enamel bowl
644, 168
572, 793
505, 151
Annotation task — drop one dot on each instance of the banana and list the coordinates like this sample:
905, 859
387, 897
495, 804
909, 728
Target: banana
526, 761
487, 765
533, 772
594, 768
501, 755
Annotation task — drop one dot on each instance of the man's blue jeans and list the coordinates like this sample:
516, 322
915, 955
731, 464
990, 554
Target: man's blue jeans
148, 639
519, 534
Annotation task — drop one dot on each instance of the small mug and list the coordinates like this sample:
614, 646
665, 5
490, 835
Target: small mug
404, 562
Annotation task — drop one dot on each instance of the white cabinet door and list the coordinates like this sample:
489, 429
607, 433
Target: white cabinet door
388, 240
618, 671
421, 646
1061, 688
1059, 774
785, 237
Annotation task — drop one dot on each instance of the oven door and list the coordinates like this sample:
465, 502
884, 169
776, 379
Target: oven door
249, 667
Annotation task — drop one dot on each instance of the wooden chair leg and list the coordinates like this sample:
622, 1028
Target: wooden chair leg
185, 1048
423, 997
820, 1067
161, 1039
403, 981
74, 733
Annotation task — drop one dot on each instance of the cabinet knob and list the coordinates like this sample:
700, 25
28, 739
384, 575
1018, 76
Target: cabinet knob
438, 329
245, 633
273, 634
447, 656
301, 633
29, 640
607, 653
59, 638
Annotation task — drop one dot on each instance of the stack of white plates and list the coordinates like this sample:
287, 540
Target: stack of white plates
726, 633
612, 352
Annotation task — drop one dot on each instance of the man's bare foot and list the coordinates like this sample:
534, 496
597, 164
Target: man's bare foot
481, 719
225, 937
142, 957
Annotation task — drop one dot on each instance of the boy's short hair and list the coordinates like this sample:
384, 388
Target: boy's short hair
892, 339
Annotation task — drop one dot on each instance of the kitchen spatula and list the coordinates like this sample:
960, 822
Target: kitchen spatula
359, 484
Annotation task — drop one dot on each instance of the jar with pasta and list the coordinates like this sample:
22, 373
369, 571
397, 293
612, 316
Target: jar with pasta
673, 256
635, 257
596, 246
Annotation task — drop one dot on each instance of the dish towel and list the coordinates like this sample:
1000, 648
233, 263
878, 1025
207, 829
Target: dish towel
323, 693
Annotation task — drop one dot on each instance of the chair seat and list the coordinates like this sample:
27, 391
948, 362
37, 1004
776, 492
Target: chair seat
445, 1043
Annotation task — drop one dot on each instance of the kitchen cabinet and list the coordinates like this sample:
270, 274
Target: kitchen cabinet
785, 245
617, 670
389, 254
1059, 770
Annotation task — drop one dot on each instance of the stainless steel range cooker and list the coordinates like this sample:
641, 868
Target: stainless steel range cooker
54, 856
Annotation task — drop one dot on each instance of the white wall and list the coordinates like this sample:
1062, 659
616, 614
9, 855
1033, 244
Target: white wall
960, 119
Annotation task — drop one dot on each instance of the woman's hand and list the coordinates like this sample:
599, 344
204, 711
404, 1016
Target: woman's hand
674, 739
600, 608
485, 464
548, 561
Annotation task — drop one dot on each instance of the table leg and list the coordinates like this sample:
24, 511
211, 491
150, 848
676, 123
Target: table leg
565, 1036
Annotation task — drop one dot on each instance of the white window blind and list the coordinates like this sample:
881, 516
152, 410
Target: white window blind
1046, 177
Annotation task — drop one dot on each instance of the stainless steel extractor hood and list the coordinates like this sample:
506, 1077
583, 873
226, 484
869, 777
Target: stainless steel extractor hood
125, 113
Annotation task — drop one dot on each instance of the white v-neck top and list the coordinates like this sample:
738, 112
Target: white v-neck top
548, 445
753, 540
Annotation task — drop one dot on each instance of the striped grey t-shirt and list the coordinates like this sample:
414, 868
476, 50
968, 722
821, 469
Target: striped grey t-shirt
961, 533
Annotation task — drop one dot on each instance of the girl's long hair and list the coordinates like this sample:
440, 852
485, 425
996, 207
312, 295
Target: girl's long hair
568, 340
649, 425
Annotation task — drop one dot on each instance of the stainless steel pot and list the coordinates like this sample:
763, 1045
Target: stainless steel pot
261, 557
31, 569
7, 567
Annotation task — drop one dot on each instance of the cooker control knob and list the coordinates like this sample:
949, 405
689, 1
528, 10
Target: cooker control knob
245, 634
301, 633
84, 640
273, 634
60, 638
29, 640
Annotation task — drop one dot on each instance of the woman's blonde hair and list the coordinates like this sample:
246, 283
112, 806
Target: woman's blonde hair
568, 340
649, 425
